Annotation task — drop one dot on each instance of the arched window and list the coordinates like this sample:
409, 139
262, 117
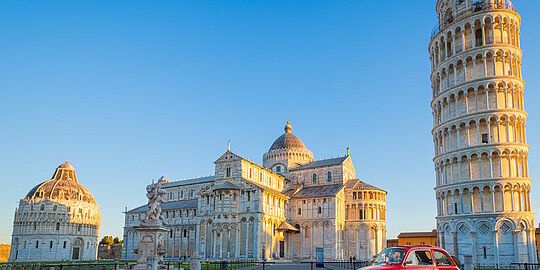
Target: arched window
228, 172
42, 207
448, 16
329, 177
185, 233
58, 226
314, 178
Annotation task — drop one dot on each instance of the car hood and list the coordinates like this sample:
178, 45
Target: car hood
381, 267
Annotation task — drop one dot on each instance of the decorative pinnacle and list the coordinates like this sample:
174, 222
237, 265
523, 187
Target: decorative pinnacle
288, 127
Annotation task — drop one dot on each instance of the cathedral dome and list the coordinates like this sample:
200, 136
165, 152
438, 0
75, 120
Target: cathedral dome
62, 186
287, 140
286, 152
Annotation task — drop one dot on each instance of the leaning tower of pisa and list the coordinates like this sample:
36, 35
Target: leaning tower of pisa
481, 154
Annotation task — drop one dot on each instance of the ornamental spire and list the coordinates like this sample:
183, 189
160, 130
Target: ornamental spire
288, 127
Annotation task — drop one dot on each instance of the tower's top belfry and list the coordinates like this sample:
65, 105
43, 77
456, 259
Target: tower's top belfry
451, 11
458, 6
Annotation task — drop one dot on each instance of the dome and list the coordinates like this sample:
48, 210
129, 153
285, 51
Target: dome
287, 140
62, 186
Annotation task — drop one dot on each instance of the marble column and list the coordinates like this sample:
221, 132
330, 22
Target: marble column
496, 248
237, 243
256, 238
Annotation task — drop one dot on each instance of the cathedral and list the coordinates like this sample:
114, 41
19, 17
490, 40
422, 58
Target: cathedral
286, 208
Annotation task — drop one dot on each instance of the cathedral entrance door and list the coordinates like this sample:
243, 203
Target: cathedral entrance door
281, 249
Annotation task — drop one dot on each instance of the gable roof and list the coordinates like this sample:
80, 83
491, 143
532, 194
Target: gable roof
192, 181
358, 184
285, 226
320, 163
226, 155
319, 191
182, 204
292, 190
226, 185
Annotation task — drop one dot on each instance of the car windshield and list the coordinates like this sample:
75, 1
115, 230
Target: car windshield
390, 256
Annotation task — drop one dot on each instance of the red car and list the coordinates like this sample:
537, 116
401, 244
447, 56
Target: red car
415, 257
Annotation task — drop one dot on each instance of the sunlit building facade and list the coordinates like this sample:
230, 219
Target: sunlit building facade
284, 209
57, 220
481, 154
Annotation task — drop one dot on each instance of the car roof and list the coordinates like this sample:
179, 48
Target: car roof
408, 247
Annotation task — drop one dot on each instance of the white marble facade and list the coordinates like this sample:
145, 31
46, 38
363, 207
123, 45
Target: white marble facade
57, 220
481, 152
284, 209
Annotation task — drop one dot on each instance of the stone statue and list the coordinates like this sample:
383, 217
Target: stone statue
151, 230
155, 194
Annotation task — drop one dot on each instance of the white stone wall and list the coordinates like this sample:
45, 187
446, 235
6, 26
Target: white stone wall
287, 158
479, 134
305, 176
365, 214
46, 230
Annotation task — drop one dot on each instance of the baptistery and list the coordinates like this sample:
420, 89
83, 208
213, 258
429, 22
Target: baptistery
57, 220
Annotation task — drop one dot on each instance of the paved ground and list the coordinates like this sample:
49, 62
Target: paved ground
289, 266
306, 266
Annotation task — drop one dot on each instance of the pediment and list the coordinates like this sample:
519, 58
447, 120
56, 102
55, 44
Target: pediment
228, 156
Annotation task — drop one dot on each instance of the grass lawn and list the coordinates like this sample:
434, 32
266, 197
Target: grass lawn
109, 265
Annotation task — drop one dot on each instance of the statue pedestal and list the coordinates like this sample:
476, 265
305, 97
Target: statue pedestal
151, 246
195, 263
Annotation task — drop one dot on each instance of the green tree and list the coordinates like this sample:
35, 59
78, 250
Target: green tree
106, 240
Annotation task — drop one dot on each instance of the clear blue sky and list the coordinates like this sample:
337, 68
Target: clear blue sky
130, 90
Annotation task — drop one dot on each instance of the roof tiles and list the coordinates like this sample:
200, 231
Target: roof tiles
320, 163
318, 191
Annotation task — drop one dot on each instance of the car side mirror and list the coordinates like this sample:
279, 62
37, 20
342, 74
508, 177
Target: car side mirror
407, 262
